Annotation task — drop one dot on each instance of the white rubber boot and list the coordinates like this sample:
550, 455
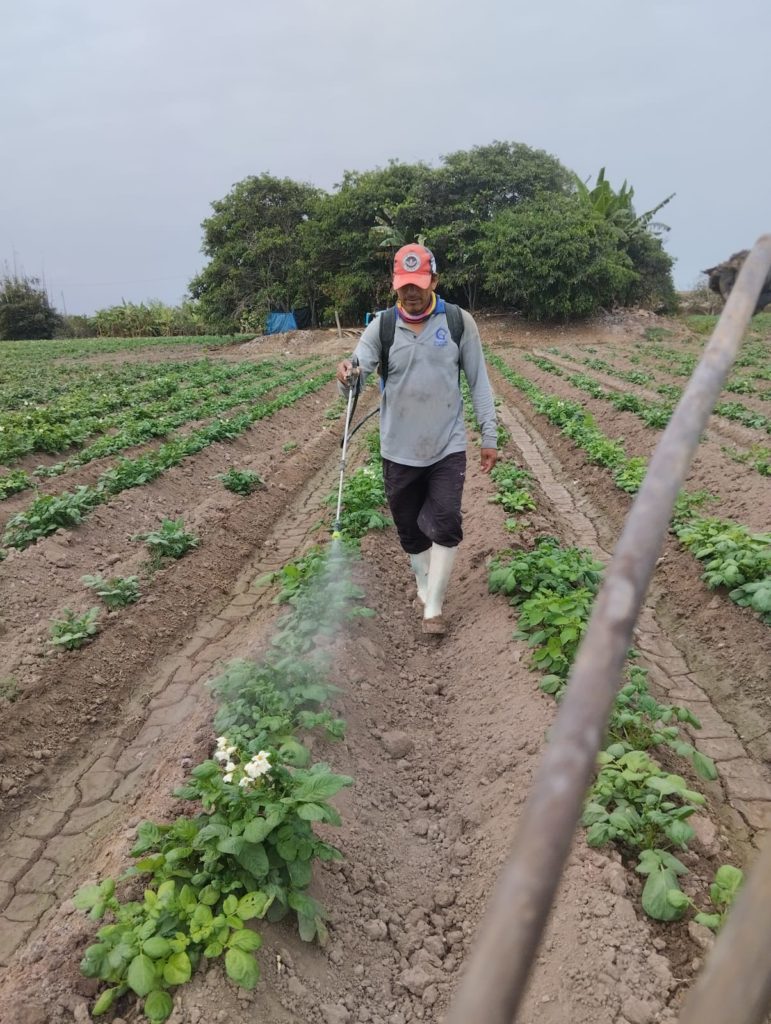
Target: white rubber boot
420, 564
442, 561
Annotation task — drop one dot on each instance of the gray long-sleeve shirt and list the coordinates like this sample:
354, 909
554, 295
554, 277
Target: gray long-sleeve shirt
421, 409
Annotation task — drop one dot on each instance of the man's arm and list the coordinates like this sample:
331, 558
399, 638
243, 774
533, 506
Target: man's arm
472, 363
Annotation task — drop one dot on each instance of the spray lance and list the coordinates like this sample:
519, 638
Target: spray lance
353, 383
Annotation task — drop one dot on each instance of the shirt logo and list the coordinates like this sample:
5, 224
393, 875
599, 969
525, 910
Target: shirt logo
440, 337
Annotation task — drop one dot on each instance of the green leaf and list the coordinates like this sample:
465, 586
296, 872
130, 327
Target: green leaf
104, 1002
107, 888
551, 684
214, 949
254, 904
656, 896
141, 975
158, 1007
303, 903
211, 832
245, 939
307, 927
209, 895
311, 812
156, 947
678, 899
300, 872
729, 878
254, 858
87, 897
258, 829
242, 968
320, 784
294, 753
230, 905
152, 863
680, 832
231, 844
709, 920
704, 766
177, 969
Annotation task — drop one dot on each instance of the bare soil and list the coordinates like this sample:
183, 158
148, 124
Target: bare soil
97, 739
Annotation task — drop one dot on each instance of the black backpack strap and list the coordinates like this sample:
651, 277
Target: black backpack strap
455, 322
387, 333
387, 320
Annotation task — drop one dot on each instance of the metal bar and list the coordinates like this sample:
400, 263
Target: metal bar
735, 984
495, 981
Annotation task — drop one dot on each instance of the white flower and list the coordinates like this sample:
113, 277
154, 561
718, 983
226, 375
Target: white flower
221, 755
222, 742
245, 782
230, 767
259, 765
227, 777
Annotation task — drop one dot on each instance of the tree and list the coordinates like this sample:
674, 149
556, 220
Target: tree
252, 243
274, 243
640, 237
470, 190
554, 258
25, 312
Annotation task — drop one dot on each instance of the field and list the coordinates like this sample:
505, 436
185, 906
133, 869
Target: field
112, 458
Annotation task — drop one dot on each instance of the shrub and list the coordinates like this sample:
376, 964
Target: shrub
25, 311
553, 258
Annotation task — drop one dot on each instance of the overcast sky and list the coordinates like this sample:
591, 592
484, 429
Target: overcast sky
124, 119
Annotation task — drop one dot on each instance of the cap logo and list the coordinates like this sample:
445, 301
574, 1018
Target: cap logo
411, 262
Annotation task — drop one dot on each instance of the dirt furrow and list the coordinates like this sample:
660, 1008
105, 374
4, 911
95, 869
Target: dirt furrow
720, 430
67, 697
675, 668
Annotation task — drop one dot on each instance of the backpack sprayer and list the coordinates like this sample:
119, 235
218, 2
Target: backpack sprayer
353, 397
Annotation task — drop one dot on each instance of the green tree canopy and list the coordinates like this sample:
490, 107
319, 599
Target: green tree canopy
553, 258
274, 244
253, 243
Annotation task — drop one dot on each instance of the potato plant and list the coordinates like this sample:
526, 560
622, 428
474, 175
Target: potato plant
241, 481
73, 630
116, 592
170, 540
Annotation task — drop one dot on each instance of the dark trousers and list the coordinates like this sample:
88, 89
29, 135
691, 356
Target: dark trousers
425, 501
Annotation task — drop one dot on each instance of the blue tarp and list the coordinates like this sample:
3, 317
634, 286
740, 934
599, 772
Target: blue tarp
280, 322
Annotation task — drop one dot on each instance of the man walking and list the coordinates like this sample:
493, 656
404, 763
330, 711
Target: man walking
422, 345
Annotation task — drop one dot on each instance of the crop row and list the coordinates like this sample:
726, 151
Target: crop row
75, 418
734, 557
633, 802
653, 414
246, 851
31, 353
140, 425
48, 513
24, 386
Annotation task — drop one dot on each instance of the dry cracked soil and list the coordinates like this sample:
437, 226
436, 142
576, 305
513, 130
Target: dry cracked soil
443, 734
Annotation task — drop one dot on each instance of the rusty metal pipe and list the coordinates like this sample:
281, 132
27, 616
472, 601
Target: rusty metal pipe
494, 982
735, 984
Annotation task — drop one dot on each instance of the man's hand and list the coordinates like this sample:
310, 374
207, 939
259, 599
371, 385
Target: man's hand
344, 371
489, 458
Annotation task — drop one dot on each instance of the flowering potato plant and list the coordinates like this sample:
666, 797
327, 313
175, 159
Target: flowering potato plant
247, 854
256, 712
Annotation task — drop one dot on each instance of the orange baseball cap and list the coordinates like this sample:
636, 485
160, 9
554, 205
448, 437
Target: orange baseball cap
414, 264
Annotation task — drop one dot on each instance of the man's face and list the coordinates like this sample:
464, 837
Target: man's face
413, 299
